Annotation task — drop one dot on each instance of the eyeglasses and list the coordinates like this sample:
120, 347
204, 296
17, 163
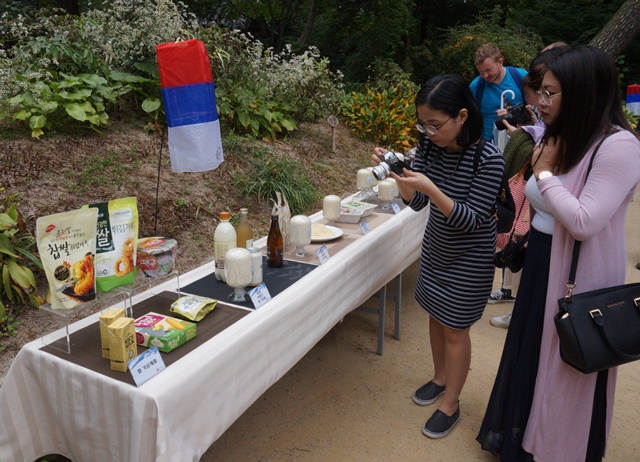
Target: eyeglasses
430, 129
545, 97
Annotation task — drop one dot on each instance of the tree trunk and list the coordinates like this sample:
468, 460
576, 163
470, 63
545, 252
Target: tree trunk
311, 19
621, 29
72, 7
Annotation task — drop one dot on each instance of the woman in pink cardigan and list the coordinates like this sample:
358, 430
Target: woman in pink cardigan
541, 408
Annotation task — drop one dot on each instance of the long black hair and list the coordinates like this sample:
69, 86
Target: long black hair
590, 103
449, 93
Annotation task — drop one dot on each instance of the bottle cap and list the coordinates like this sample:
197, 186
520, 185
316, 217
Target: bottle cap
224, 215
244, 210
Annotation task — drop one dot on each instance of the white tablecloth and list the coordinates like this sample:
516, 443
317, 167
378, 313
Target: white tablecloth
49, 405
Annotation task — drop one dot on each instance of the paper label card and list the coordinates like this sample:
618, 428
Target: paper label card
323, 254
259, 295
395, 207
146, 365
364, 226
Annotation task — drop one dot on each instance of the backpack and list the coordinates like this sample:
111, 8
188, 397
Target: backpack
515, 75
504, 209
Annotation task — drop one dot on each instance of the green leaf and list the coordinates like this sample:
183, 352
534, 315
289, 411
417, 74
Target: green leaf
29, 256
6, 282
150, 105
37, 122
76, 111
19, 275
22, 115
6, 222
16, 99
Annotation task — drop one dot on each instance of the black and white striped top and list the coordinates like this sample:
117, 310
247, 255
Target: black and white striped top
456, 268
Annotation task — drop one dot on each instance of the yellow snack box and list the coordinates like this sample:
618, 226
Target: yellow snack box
164, 332
122, 343
107, 318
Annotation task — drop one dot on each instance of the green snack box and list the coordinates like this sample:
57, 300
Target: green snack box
164, 332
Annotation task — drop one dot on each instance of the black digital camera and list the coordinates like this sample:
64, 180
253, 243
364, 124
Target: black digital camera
390, 163
516, 115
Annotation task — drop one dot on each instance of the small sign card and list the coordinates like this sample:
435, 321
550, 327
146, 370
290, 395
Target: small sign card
259, 295
146, 365
395, 207
364, 226
323, 254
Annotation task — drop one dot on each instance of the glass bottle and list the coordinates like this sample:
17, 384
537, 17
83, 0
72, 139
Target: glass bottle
224, 238
244, 230
275, 244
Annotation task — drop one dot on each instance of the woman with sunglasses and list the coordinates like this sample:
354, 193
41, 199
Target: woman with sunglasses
456, 267
541, 408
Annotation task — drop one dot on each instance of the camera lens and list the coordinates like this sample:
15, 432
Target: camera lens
381, 171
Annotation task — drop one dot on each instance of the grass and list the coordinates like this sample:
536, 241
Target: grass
113, 168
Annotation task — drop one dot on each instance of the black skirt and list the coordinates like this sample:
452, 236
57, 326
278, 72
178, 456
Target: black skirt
505, 420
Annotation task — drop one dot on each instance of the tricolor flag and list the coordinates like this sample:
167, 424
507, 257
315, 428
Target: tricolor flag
189, 100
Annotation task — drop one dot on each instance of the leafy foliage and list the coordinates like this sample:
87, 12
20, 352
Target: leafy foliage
517, 44
266, 93
269, 173
16, 260
384, 116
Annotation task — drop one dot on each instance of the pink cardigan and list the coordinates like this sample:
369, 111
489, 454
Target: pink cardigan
558, 426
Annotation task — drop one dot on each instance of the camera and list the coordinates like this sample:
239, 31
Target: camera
516, 115
391, 162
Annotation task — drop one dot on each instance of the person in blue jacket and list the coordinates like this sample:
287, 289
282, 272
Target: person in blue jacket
493, 80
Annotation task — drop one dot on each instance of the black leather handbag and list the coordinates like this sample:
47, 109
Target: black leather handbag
599, 329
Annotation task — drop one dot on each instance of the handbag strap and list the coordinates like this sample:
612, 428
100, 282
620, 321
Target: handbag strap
571, 282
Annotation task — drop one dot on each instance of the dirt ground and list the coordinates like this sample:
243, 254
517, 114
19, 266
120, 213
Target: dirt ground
342, 402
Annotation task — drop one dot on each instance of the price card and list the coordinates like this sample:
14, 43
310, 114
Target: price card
395, 207
259, 295
364, 226
146, 365
323, 254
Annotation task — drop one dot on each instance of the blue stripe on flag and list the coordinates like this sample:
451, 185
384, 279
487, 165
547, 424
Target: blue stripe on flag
190, 104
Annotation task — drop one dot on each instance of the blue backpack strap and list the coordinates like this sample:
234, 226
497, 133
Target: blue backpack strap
480, 90
517, 78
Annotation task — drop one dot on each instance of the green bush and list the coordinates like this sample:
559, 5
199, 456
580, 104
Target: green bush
386, 117
265, 93
268, 174
517, 44
16, 261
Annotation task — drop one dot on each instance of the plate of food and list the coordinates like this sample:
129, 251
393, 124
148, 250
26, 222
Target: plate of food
323, 233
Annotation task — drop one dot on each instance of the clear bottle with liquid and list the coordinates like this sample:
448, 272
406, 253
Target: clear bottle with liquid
224, 238
244, 231
275, 244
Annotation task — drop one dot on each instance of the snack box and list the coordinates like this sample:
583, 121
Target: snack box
164, 332
352, 212
107, 318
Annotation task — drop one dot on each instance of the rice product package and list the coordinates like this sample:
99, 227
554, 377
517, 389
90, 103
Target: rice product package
67, 246
165, 332
117, 236
193, 307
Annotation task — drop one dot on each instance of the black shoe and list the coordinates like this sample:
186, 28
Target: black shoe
428, 393
440, 424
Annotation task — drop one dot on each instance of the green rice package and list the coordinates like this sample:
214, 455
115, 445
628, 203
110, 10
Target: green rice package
117, 238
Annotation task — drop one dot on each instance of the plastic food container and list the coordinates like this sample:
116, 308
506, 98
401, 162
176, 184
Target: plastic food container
156, 256
352, 212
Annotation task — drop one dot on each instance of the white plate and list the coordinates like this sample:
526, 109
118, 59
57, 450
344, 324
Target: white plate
337, 232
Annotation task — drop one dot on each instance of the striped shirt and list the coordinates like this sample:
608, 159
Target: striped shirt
456, 268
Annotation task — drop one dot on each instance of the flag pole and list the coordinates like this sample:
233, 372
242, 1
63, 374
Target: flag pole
155, 226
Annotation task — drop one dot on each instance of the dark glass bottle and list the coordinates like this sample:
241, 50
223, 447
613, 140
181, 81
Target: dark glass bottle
275, 244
